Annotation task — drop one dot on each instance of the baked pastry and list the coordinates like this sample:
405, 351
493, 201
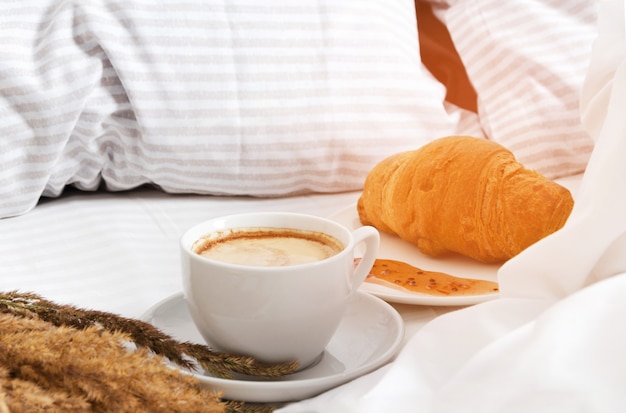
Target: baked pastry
464, 195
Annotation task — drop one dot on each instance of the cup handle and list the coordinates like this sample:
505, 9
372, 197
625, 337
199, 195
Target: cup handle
370, 236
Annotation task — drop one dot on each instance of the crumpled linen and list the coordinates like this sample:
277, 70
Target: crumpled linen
555, 339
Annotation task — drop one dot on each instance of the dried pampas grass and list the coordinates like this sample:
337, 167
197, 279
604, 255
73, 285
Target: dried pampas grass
60, 358
61, 369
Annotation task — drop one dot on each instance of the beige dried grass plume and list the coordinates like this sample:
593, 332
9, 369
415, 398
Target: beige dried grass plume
60, 358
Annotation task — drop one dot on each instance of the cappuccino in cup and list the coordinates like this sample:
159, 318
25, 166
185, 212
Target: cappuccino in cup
272, 285
269, 247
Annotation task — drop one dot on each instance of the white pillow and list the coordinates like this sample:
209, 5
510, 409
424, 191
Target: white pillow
244, 97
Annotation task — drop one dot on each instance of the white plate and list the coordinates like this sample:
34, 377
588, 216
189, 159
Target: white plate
394, 248
369, 335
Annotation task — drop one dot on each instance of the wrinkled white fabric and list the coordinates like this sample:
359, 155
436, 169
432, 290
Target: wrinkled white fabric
555, 340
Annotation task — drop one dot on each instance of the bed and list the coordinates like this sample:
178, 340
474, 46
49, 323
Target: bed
123, 125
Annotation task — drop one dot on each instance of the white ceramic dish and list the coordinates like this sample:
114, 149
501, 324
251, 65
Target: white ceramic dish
392, 247
369, 336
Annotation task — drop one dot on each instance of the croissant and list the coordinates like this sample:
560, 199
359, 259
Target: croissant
463, 195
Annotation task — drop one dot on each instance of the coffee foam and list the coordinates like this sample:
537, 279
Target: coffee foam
270, 247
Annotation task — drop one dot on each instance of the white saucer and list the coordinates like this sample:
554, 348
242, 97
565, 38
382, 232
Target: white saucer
394, 248
369, 335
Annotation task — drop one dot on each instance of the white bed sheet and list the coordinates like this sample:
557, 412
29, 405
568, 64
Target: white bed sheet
118, 252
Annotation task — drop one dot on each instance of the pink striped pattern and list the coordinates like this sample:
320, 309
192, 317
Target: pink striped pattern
527, 60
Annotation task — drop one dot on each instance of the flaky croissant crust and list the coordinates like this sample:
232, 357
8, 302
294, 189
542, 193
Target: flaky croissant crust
464, 195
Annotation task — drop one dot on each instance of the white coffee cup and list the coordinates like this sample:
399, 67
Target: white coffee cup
273, 313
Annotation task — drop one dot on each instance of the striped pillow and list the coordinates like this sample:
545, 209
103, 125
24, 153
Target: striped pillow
204, 96
527, 61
